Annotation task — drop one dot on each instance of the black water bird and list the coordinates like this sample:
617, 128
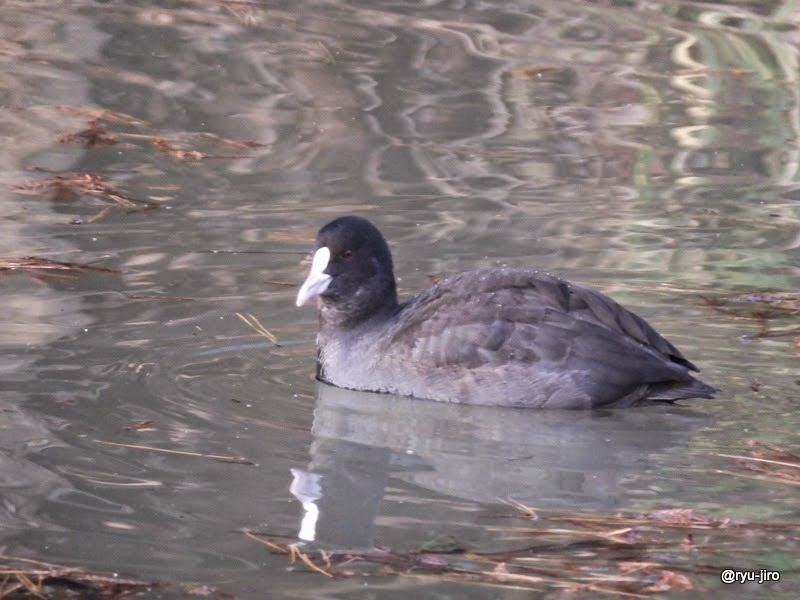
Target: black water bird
494, 336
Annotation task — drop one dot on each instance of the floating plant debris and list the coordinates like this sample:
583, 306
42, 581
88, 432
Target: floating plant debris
37, 264
94, 135
103, 114
764, 308
758, 305
256, 326
239, 460
63, 185
630, 556
167, 148
146, 425
535, 71
27, 578
768, 463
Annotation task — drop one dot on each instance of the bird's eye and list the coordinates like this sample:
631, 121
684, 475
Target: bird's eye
347, 254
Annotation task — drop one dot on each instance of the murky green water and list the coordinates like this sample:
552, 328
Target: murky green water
647, 149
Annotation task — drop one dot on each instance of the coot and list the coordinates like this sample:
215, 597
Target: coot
493, 336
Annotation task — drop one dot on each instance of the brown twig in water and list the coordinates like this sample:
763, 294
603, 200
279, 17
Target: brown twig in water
23, 577
256, 326
508, 571
292, 551
89, 184
765, 460
94, 135
36, 263
231, 459
762, 460
102, 114
620, 555
102, 214
525, 510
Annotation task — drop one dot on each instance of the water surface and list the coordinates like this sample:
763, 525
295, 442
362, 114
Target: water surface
647, 149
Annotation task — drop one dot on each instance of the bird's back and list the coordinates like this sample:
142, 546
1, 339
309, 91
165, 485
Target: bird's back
525, 338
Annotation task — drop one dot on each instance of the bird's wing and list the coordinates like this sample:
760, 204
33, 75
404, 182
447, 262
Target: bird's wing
498, 317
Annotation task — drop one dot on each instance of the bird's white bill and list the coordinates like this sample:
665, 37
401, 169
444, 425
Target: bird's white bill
317, 280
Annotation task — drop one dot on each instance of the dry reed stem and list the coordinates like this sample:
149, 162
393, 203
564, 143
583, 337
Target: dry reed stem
254, 324
222, 457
